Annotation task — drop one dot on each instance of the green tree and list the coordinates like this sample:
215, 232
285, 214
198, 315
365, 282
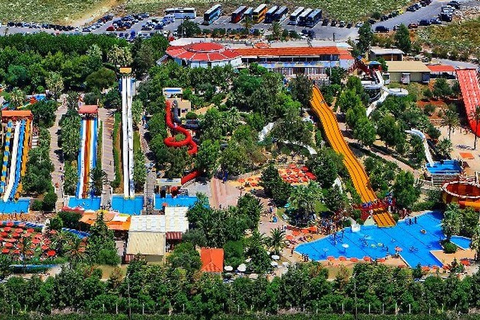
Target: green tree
101, 244
119, 56
188, 29
365, 37
441, 88
70, 178
75, 251
70, 134
402, 39
305, 198
451, 221
137, 110
326, 166
364, 131
276, 30
475, 115
98, 179
336, 75
301, 89
335, 199
49, 201
44, 113
139, 170
186, 257
17, 97
475, 244
101, 79
450, 120
404, 189
207, 157
390, 132
276, 241
54, 83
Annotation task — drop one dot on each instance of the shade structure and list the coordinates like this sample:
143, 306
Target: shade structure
51, 253
366, 258
8, 245
354, 259
274, 264
7, 229
228, 268
289, 237
242, 268
18, 230
36, 241
398, 249
5, 251
342, 258
275, 257
330, 258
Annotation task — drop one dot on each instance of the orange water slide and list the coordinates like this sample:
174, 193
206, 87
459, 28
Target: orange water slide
337, 142
86, 162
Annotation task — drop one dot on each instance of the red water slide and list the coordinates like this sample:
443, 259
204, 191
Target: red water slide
467, 78
171, 142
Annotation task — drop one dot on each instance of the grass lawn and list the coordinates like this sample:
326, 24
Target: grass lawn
57, 11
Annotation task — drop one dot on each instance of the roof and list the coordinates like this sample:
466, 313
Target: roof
290, 51
381, 51
470, 87
88, 109
174, 220
148, 243
407, 66
16, 113
150, 223
201, 51
212, 259
441, 68
113, 220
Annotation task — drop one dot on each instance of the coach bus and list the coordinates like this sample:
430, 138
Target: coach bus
212, 14
313, 18
270, 14
182, 13
294, 16
259, 13
302, 19
248, 13
280, 14
237, 15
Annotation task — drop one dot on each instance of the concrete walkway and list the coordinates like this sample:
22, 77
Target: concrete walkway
108, 165
56, 155
151, 179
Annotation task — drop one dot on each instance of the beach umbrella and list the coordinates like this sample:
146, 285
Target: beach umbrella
8, 245
16, 235
425, 269
7, 229
305, 231
275, 257
4, 234
381, 260
286, 264
228, 268
22, 225
342, 258
465, 262
31, 230
367, 259
53, 231
398, 249
242, 268
51, 253
353, 259
18, 230
45, 247
274, 264
345, 245
26, 235
36, 241
16, 251
10, 224
253, 276
289, 237
11, 240
5, 251
330, 258
248, 260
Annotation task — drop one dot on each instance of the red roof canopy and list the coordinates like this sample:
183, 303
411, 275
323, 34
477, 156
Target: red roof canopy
212, 259
202, 51
290, 51
441, 68
17, 113
88, 109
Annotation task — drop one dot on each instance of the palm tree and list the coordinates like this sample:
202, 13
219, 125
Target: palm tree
475, 244
59, 241
450, 119
476, 116
247, 23
276, 30
276, 240
75, 250
451, 220
17, 97
25, 247
304, 199
98, 178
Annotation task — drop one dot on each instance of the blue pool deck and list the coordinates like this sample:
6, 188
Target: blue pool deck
374, 242
19, 206
87, 203
447, 167
128, 206
178, 201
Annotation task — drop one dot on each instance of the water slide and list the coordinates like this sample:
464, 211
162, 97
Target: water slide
266, 130
26, 146
191, 125
6, 155
126, 188
13, 162
467, 78
422, 136
87, 157
131, 163
81, 157
337, 142
188, 141
18, 168
379, 84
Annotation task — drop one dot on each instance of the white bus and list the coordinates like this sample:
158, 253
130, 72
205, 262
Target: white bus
182, 13
294, 16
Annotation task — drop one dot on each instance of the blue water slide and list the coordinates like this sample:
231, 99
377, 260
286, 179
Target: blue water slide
79, 160
6, 155
93, 162
18, 167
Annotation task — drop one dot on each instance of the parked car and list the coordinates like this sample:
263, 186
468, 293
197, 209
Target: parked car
110, 28
454, 4
424, 22
381, 29
413, 26
341, 24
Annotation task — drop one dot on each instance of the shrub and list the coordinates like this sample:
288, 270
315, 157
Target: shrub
429, 109
36, 205
49, 201
449, 247
396, 217
191, 115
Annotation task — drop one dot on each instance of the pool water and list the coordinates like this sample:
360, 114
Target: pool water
87, 204
376, 242
178, 201
128, 206
447, 167
21, 205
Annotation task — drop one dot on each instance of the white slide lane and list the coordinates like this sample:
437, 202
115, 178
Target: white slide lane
385, 92
420, 134
130, 138
126, 188
11, 178
82, 159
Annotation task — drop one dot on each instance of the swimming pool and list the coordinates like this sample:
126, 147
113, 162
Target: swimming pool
447, 167
87, 203
178, 201
127, 206
19, 206
377, 242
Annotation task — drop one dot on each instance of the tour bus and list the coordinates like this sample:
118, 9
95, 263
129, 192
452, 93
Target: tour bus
294, 16
280, 14
259, 13
212, 14
302, 19
182, 13
270, 14
313, 18
248, 14
237, 15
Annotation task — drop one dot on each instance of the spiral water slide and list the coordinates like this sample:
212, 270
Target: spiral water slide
21, 152
422, 136
80, 159
13, 162
337, 142
467, 78
171, 142
6, 156
127, 137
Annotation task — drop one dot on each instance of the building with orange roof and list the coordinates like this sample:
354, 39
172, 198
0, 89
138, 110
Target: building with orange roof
203, 54
212, 260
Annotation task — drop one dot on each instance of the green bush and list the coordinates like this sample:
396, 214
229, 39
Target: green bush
449, 247
37, 205
49, 201
191, 115
429, 109
116, 152
395, 217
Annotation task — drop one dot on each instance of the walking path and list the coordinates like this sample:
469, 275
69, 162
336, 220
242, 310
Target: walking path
151, 178
107, 120
223, 194
56, 156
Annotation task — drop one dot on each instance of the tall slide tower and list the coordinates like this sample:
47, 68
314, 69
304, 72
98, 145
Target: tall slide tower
127, 90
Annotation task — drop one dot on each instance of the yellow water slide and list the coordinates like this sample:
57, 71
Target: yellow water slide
337, 142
